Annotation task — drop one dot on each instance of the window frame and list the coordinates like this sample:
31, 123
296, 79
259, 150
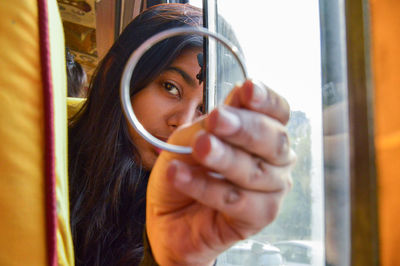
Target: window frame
363, 194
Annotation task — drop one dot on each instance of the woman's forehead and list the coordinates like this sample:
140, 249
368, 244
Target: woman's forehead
188, 58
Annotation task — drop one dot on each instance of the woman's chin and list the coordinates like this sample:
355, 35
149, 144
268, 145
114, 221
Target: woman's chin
150, 160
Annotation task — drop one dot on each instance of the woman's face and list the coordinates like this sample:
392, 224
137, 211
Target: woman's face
174, 98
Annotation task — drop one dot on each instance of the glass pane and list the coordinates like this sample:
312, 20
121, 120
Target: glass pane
280, 41
336, 131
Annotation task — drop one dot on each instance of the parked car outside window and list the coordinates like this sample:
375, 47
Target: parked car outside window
300, 252
251, 252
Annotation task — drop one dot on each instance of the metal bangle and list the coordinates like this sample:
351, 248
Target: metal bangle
134, 59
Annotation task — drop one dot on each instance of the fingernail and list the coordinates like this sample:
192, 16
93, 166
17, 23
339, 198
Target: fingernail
180, 174
208, 147
238, 84
216, 150
183, 177
171, 171
259, 94
227, 122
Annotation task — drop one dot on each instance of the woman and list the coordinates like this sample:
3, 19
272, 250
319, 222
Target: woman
110, 164
76, 76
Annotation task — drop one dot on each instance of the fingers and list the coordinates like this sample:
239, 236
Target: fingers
238, 166
253, 132
223, 196
336, 115
257, 97
335, 150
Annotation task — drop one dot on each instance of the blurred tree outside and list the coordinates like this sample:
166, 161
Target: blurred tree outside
294, 219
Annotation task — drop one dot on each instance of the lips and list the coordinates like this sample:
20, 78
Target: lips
162, 138
158, 150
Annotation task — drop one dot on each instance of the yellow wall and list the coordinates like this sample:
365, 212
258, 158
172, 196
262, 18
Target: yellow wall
385, 27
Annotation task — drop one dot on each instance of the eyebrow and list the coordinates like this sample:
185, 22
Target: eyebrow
184, 75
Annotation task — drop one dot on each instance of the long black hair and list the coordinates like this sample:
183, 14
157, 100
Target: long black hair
107, 180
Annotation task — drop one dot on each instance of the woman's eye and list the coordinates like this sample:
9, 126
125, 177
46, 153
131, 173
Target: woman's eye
171, 88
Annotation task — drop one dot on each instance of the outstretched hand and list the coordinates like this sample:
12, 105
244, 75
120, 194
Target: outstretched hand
193, 214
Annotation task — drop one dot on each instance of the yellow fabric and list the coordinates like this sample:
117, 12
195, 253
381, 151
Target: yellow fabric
59, 79
22, 139
385, 25
22, 196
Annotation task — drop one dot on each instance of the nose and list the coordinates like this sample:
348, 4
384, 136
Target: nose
183, 114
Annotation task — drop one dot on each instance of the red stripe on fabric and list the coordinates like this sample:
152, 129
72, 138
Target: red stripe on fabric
51, 212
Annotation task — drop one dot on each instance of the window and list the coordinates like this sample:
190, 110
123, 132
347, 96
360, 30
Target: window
314, 53
281, 47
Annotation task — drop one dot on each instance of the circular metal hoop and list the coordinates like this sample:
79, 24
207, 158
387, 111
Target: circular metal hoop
134, 59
